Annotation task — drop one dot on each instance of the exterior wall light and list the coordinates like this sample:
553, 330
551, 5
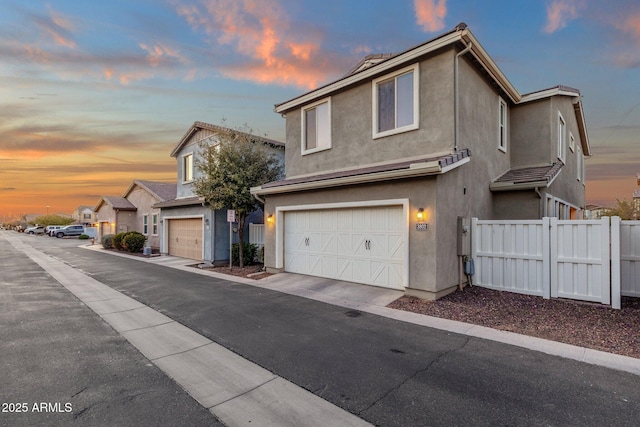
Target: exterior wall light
206, 221
270, 219
420, 214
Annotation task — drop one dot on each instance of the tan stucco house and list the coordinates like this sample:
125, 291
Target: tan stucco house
134, 210
382, 162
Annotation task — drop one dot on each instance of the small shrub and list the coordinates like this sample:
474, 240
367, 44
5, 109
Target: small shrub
117, 241
249, 253
107, 241
133, 241
83, 237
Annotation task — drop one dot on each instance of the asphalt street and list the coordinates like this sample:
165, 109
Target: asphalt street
61, 365
385, 371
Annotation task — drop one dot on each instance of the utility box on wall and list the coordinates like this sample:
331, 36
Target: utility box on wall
464, 236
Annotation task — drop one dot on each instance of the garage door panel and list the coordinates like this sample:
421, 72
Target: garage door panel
365, 245
185, 238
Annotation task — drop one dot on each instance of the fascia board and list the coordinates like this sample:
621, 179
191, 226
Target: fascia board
508, 186
547, 94
432, 169
491, 67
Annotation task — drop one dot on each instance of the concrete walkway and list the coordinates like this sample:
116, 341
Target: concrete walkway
235, 390
374, 300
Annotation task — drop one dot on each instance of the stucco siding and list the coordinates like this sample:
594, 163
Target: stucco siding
353, 144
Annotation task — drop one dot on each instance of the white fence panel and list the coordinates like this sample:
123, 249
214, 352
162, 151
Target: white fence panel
256, 234
580, 260
630, 258
512, 255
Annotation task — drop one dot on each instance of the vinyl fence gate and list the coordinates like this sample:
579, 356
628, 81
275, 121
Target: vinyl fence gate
587, 260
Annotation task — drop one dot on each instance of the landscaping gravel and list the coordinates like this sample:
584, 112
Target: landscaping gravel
583, 324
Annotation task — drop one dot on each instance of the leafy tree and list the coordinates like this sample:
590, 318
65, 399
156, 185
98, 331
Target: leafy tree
46, 220
625, 209
229, 169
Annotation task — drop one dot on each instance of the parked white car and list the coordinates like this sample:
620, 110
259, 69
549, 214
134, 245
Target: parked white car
51, 229
35, 230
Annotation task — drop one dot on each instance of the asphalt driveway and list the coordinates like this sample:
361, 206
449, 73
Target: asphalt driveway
385, 371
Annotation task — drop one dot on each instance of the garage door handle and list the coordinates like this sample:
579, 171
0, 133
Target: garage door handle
367, 245
306, 241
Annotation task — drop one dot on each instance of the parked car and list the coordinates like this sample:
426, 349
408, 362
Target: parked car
70, 230
51, 229
35, 230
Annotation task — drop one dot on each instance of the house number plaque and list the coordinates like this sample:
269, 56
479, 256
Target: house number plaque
422, 226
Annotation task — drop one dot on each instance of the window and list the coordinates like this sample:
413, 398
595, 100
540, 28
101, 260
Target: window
154, 224
86, 216
502, 125
395, 102
562, 137
145, 224
316, 127
187, 168
572, 142
580, 166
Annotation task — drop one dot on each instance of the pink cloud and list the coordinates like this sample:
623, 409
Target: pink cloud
560, 13
260, 32
631, 25
430, 14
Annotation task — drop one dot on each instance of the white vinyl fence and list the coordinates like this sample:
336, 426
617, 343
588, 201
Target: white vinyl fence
587, 260
256, 234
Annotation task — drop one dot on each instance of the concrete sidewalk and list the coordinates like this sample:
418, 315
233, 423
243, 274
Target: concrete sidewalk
374, 300
235, 390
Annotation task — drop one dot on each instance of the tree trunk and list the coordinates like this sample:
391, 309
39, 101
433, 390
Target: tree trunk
241, 240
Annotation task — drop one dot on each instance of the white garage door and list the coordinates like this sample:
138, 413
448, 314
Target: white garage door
364, 245
185, 238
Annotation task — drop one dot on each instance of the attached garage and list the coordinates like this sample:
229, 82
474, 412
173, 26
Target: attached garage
185, 237
364, 244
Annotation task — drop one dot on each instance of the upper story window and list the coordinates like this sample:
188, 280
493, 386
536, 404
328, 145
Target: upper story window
187, 168
316, 126
395, 102
502, 125
86, 216
580, 166
562, 138
572, 142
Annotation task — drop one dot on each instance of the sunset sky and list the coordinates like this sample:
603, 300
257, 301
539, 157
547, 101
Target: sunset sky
95, 94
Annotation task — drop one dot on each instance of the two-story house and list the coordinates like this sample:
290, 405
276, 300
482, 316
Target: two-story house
382, 162
84, 215
191, 229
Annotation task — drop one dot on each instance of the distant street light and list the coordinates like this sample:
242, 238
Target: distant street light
47, 210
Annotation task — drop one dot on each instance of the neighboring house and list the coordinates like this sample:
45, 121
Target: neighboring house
115, 215
192, 230
84, 215
382, 162
134, 211
143, 195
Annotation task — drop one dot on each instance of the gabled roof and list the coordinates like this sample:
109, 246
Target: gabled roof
433, 165
115, 202
460, 35
160, 190
527, 178
201, 125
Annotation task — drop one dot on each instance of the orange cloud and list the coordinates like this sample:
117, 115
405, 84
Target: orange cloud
560, 12
631, 25
260, 32
430, 14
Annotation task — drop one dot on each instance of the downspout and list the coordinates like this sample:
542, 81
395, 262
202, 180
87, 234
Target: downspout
455, 95
541, 205
259, 199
